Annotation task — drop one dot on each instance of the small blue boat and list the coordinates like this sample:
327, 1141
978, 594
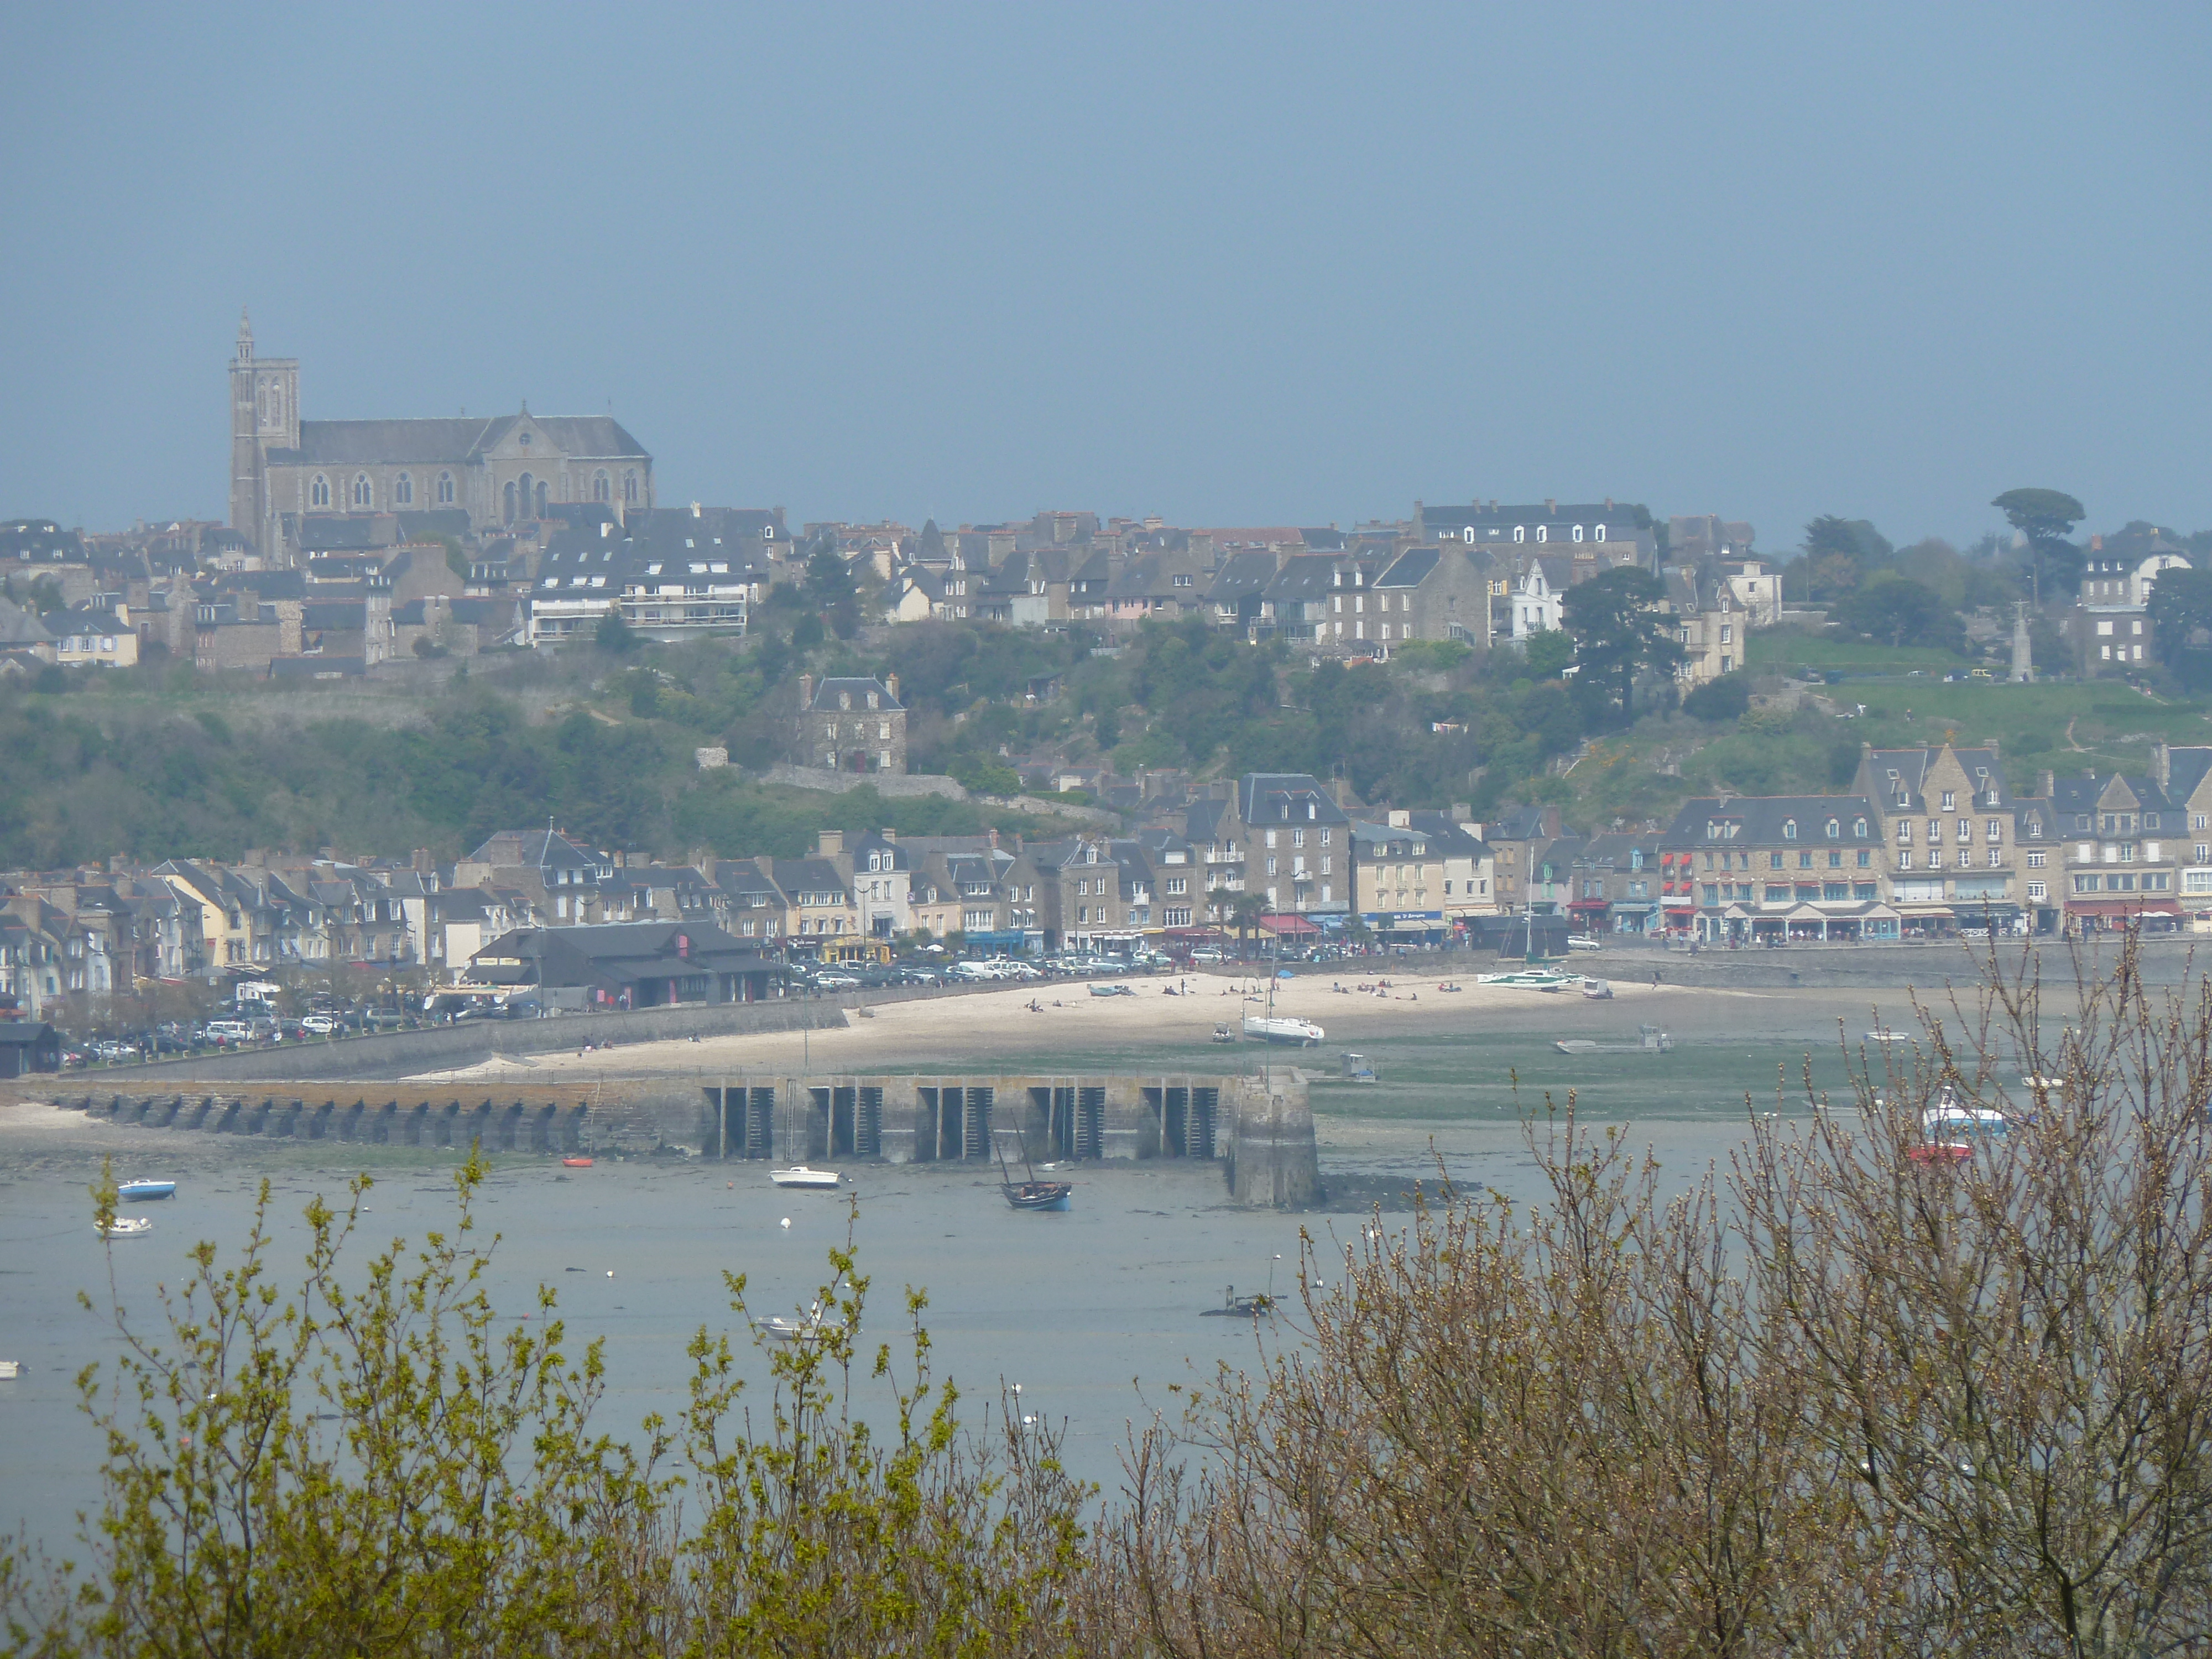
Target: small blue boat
141, 1192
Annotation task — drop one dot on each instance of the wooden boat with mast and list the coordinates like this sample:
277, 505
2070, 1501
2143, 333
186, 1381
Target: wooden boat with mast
1030, 1194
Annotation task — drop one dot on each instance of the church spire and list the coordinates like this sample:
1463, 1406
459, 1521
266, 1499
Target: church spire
245, 336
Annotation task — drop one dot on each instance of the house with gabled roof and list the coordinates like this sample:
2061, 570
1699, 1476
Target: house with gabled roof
2124, 841
851, 724
1948, 821
1779, 869
1298, 845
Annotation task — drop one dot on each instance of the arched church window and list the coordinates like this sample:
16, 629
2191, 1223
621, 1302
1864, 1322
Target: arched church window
403, 490
510, 501
629, 487
601, 490
361, 489
541, 498
318, 493
445, 490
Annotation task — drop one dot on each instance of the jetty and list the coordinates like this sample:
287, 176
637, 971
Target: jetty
1257, 1127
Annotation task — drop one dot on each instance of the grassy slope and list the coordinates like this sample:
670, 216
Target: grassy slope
2113, 727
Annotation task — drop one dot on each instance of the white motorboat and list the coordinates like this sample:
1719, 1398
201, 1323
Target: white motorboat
790, 1330
144, 1192
812, 1180
124, 1226
1950, 1119
1281, 1027
10, 1369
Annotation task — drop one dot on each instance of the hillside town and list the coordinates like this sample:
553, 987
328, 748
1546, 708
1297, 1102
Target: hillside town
369, 551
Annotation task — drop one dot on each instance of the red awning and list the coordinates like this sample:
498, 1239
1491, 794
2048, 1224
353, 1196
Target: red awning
1588, 904
2123, 907
1291, 925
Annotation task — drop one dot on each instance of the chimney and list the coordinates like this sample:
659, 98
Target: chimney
1551, 504
828, 843
2161, 761
1462, 812
2096, 544
2047, 785
890, 684
993, 834
695, 509
805, 692
891, 835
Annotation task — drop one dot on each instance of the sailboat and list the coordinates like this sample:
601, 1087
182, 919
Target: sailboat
1032, 1193
1271, 1027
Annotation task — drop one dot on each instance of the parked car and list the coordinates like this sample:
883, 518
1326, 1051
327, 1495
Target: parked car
321, 1024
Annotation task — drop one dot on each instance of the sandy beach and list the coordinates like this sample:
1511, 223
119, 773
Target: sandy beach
1163, 1014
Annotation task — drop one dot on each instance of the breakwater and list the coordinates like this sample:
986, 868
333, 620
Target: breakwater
1256, 1128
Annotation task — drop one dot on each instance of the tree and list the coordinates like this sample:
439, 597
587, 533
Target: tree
1619, 629
1245, 911
2181, 603
465, 1503
613, 634
1854, 1402
1720, 700
1898, 610
2046, 518
1549, 652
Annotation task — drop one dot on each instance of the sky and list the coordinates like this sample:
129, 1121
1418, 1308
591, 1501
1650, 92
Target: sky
1232, 265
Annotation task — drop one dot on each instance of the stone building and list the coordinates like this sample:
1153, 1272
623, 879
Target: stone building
503, 470
851, 725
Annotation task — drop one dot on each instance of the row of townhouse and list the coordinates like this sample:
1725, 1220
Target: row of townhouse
1931, 840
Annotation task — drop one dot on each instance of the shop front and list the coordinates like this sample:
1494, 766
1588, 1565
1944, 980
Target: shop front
2151, 915
1004, 942
1587, 915
1405, 926
1634, 917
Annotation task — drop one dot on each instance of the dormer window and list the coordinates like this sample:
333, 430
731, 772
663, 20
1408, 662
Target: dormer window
1790, 830
1834, 830
1859, 829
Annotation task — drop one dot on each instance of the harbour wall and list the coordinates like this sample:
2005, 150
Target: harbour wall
1257, 1128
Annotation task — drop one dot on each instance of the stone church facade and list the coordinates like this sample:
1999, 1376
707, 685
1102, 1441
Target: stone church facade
501, 472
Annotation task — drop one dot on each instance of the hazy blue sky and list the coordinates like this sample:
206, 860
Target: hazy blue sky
1231, 264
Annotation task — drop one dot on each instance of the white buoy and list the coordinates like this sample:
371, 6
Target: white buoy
785, 1224
610, 1273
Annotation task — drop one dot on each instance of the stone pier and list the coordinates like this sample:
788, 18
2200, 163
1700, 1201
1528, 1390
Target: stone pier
1257, 1127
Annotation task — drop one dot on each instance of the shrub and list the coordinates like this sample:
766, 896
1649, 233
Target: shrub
1719, 700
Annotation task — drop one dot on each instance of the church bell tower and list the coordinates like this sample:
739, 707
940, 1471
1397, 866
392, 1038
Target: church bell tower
264, 415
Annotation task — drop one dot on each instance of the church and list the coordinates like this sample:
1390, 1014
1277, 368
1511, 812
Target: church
501, 472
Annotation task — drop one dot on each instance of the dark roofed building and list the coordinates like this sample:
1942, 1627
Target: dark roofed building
1612, 533
635, 965
501, 470
848, 725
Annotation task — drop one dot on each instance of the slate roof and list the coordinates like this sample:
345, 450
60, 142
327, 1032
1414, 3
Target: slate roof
825, 695
2074, 797
1413, 568
811, 876
533, 849
2187, 769
1749, 821
1497, 523
1262, 797
1450, 835
19, 625
1243, 574
451, 441
1302, 580
1904, 773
